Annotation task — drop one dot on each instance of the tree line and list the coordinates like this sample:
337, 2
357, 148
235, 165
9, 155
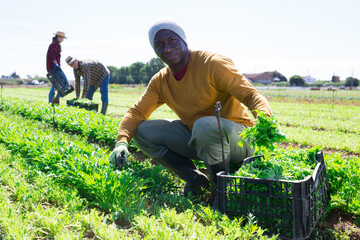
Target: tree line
297, 80
136, 73
12, 76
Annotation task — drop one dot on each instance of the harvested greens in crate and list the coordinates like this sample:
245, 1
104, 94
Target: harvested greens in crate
286, 190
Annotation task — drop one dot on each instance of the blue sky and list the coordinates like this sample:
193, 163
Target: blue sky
308, 37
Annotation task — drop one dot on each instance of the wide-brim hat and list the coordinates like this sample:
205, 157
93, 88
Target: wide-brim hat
61, 34
69, 60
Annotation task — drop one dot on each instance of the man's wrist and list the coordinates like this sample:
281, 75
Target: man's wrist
121, 143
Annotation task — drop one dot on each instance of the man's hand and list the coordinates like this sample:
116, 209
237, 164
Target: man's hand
119, 155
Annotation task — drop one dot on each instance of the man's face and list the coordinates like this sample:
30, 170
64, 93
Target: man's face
170, 48
75, 64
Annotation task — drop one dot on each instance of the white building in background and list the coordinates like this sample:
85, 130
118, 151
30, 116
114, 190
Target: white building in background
309, 79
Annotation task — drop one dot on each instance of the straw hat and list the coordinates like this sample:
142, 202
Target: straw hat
69, 60
61, 34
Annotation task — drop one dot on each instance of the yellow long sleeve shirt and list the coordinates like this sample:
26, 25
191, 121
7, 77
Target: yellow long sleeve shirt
209, 78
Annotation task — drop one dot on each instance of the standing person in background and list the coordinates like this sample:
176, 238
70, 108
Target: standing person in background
53, 61
95, 75
191, 84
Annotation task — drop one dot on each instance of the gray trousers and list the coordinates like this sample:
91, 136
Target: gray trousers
155, 137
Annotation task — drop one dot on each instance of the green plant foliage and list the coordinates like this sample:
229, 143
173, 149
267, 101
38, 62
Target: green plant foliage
78, 172
281, 164
297, 80
96, 127
344, 177
75, 164
121, 195
136, 73
264, 134
83, 101
33, 204
352, 82
156, 180
172, 225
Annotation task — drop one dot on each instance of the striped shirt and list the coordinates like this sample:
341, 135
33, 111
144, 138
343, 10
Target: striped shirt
93, 73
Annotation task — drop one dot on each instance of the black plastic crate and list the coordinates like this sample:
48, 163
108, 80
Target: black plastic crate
288, 208
59, 81
91, 107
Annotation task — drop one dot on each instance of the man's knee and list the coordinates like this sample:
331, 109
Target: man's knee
157, 131
205, 130
142, 132
205, 125
159, 135
148, 130
147, 141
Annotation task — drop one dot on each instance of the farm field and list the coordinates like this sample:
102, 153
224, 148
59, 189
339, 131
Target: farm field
49, 176
342, 97
327, 125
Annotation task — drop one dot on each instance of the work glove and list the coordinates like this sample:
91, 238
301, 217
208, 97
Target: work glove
119, 155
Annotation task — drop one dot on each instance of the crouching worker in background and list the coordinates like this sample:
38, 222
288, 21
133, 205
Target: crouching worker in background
95, 75
190, 85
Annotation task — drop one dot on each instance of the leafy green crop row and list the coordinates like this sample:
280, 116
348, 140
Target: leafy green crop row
75, 164
344, 96
103, 129
134, 196
340, 141
343, 173
319, 116
94, 126
33, 206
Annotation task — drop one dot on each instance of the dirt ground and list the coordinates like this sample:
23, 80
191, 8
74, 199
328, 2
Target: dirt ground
342, 223
325, 151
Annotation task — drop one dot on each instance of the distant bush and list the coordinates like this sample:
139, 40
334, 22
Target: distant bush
297, 80
350, 81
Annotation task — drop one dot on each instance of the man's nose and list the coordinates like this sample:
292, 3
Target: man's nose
168, 47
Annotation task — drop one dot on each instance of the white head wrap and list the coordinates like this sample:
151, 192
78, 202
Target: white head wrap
166, 23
